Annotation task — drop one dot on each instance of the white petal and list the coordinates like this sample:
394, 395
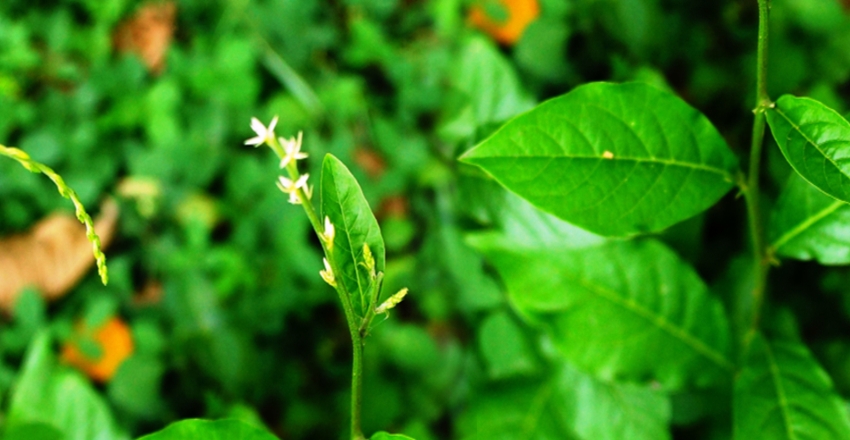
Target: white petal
258, 127
272, 124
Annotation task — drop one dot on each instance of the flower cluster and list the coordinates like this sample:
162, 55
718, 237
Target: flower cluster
290, 152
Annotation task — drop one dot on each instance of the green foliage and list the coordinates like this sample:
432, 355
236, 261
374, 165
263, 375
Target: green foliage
49, 399
534, 312
782, 393
387, 436
567, 405
806, 224
813, 138
355, 226
631, 297
573, 155
212, 430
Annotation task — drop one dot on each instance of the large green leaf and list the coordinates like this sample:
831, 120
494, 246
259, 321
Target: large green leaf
568, 405
623, 310
816, 142
343, 202
807, 224
195, 429
57, 398
782, 393
615, 159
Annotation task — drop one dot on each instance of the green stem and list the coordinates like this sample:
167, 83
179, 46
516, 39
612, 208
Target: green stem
344, 298
751, 187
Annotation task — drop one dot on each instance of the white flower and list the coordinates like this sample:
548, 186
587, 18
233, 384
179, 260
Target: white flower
292, 150
329, 233
291, 188
264, 135
328, 273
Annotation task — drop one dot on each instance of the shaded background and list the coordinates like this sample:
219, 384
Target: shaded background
216, 275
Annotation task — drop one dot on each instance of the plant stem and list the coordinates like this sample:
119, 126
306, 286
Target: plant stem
751, 187
344, 298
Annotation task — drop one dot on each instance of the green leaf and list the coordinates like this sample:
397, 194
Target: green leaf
615, 159
568, 405
782, 393
623, 310
505, 348
816, 142
521, 225
194, 429
387, 436
807, 224
355, 225
56, 397
489, 87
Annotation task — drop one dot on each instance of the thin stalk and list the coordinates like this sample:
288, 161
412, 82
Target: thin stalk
750, 188
344, 298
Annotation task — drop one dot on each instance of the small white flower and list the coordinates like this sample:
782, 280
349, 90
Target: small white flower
328, 233
328, 273
292, 150
291, 188
264, 135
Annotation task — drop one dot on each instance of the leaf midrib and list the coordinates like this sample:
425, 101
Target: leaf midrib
776, 374
653, 160
809, 140
806, 224
347, 230
659, 321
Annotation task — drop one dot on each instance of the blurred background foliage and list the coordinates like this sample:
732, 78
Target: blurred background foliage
214, 277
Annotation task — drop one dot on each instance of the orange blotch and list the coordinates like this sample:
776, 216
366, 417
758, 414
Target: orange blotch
116, 345
520, 13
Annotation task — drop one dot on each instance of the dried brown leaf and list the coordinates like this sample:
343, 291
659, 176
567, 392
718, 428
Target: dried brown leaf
52, 256
148, 34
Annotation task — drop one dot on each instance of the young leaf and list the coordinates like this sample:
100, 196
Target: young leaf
782, 393
807, 224
192, 429
816, 142
343, 202
567, 405
623, 310
615, 159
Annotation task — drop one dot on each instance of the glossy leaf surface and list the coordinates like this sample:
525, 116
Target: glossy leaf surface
807, 224
816, 142
623, 310
343, 202
615, 159
568, 405
782, 393
193, 429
